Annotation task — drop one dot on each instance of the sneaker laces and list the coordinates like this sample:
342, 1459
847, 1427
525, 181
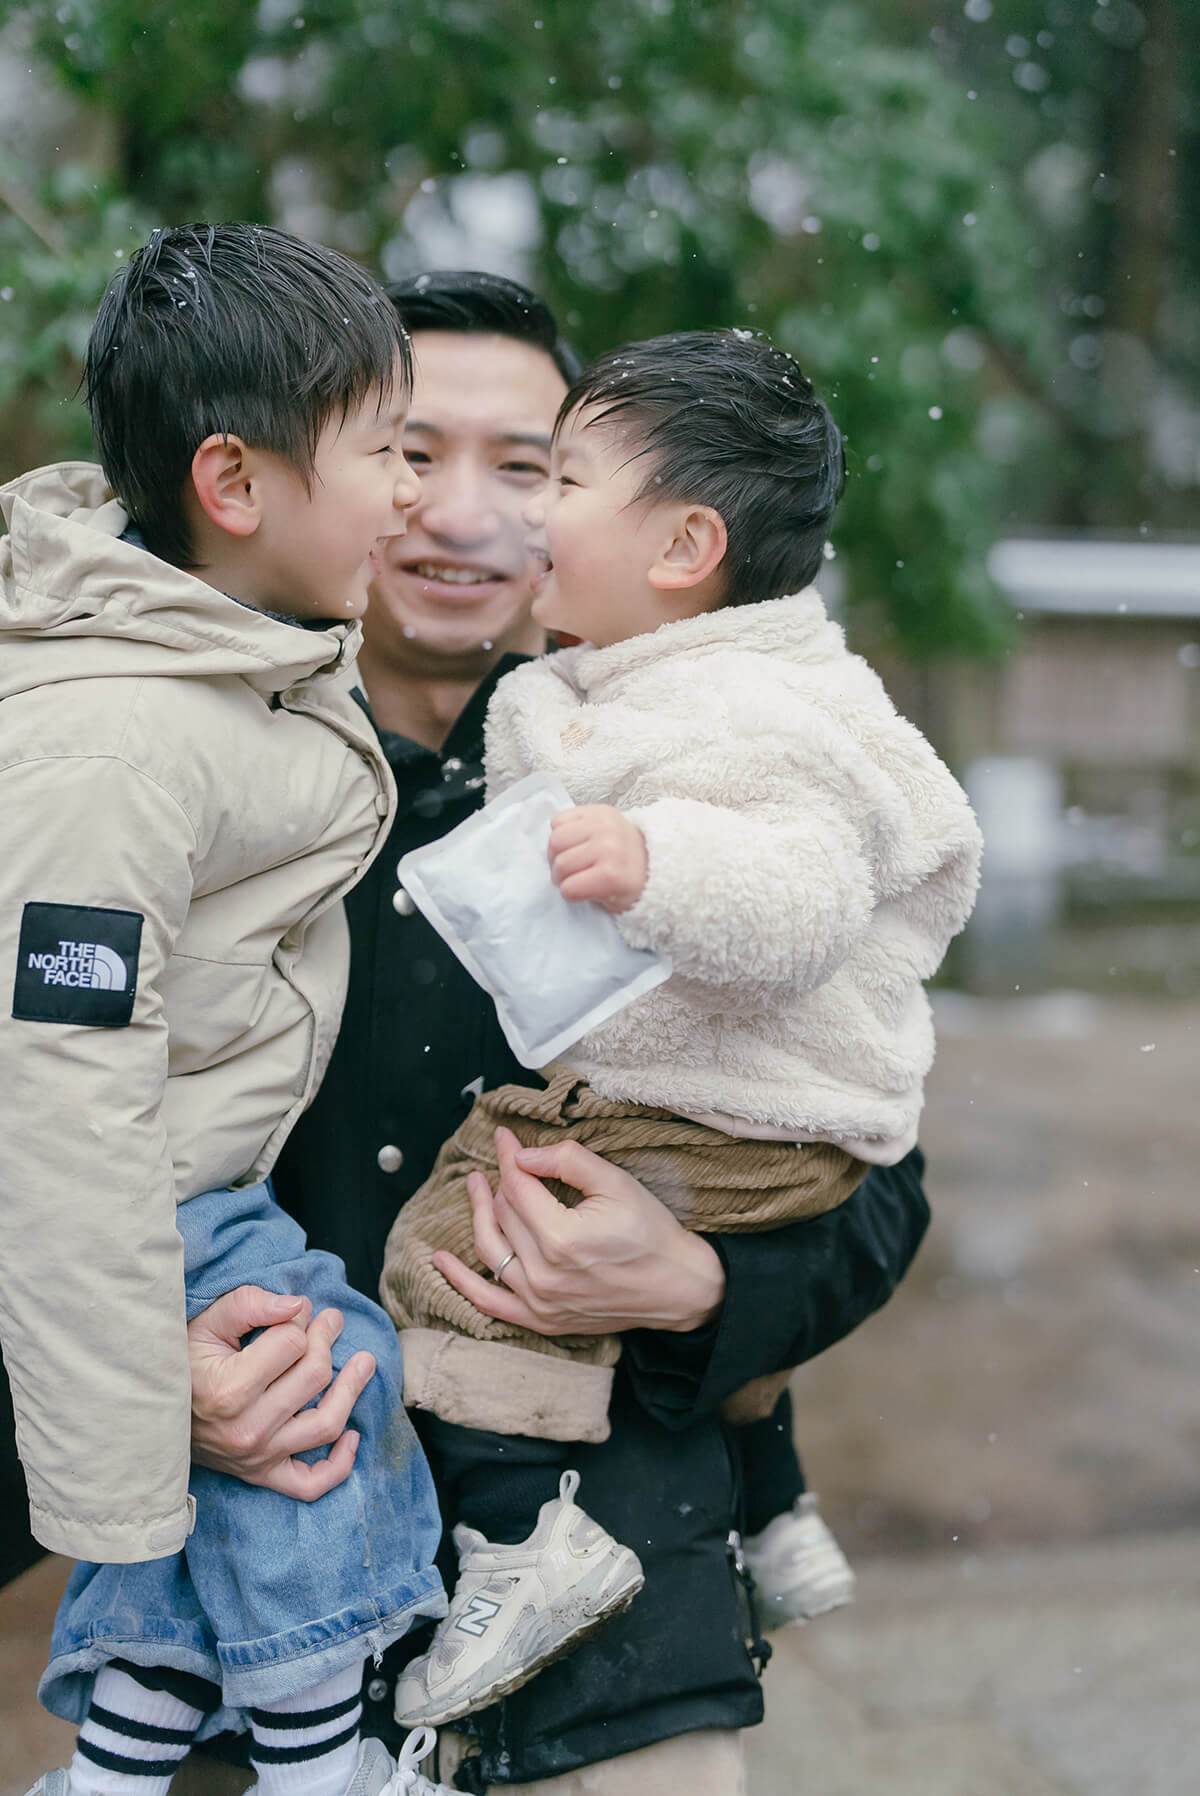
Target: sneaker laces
409, 1780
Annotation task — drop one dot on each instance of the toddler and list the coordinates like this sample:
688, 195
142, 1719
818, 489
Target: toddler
748, 803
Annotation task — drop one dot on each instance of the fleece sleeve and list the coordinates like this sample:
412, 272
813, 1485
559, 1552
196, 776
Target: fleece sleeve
95, 882
777, 894
790, 1293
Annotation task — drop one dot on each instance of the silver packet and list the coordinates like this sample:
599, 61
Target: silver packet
555, 969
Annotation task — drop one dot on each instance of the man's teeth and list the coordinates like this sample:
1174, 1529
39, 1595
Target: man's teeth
453, 576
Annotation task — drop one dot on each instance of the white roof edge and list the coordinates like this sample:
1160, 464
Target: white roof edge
1093, 577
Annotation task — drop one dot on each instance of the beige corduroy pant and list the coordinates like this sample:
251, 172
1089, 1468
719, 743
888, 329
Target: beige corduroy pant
483, 1373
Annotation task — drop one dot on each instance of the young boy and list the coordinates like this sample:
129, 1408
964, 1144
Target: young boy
186, 791
747, 802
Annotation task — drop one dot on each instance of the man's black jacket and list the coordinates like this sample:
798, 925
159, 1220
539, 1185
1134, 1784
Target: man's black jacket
416, 1038
417, 1033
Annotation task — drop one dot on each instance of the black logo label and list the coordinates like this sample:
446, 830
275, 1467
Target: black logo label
77, 964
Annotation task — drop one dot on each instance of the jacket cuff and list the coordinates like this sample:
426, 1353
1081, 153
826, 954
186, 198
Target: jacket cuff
114, 1541
789, 1294
503, 1388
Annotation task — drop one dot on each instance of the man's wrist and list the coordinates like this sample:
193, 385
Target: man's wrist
705, 1287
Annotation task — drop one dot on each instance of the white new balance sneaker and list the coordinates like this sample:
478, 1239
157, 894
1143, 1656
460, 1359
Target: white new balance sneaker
799, 1570
51, 1783
376, 1772
516, 1608
408, 1781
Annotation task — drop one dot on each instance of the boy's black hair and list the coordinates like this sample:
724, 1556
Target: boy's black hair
726, 419
477, 304
228, 329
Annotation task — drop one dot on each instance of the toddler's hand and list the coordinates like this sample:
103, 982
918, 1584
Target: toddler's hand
597, 853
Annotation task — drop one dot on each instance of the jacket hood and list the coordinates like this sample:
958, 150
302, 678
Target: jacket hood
797, 629
78, 603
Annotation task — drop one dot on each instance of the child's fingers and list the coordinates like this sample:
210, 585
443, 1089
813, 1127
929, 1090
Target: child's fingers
566, 861
568, 827
572, 825
598, 884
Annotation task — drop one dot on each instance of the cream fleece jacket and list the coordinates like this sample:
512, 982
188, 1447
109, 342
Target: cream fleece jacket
167, 755
810, 858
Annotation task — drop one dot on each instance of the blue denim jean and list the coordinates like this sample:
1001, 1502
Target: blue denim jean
270, 1595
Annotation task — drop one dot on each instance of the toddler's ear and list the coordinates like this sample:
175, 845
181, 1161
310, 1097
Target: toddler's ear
695, 550
224, 476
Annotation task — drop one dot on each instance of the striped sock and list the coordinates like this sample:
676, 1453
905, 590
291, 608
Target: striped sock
132, 1738
309, 1743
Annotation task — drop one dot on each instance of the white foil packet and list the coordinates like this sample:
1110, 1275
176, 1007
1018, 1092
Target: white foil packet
555, 969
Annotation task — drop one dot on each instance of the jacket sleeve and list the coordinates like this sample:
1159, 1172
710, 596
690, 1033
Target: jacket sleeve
777, 895
92, 1316
790, 1293
807, 824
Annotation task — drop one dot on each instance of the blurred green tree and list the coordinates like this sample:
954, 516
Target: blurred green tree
1100, 106
856, 181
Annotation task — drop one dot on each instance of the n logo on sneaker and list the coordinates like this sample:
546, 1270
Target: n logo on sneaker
476, 1616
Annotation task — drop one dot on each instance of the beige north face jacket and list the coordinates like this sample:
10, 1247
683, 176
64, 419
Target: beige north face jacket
186, 791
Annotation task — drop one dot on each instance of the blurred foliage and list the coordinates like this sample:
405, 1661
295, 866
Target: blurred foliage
974, 225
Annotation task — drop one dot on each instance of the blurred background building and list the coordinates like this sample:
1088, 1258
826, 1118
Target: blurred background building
977, 223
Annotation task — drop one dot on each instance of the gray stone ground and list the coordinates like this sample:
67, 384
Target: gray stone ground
1010, 1451
1042, 1671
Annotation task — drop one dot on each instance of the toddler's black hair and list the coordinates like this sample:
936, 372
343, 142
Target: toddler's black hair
724, 418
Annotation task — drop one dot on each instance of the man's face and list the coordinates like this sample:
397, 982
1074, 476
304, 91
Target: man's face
459, 583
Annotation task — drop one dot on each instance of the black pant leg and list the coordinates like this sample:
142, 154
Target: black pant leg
18, 1549
772, 1474
495, 1482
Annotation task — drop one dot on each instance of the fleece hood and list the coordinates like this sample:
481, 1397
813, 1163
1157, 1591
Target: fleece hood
77, 602
795, 629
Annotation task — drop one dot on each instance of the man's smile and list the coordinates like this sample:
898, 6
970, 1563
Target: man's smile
454, 573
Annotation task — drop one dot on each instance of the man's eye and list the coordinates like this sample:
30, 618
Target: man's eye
418, 458
525, 470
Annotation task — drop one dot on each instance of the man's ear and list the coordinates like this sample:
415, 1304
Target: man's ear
696, 549
225, 474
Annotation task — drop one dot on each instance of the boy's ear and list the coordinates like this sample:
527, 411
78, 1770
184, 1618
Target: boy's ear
224, 474
696, 549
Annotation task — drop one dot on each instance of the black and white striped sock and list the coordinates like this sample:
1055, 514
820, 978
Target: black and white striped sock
309, 1743
133, 1737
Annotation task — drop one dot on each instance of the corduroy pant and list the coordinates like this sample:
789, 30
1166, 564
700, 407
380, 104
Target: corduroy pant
474, 1370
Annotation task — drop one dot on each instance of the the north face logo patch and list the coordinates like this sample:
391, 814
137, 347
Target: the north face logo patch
77, 963
88, 964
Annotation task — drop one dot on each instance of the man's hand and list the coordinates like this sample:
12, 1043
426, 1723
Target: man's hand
597, 853
618, 1260
248, 1404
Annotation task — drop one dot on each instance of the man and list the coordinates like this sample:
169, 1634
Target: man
661, 1692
